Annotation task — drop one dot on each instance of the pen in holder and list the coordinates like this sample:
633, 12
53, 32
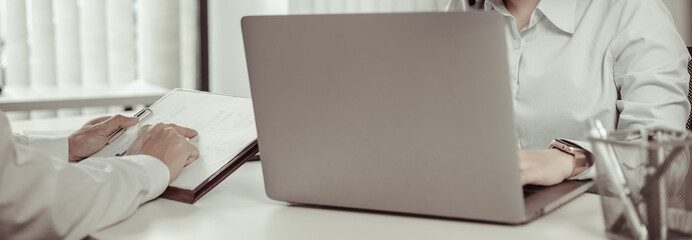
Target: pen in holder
638, 173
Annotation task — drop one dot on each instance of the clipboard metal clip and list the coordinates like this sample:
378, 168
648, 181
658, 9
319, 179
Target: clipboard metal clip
142, 114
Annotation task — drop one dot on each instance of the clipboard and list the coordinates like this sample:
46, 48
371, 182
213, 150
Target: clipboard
227, 137
142, 114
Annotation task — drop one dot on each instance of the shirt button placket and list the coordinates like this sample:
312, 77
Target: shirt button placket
516, 64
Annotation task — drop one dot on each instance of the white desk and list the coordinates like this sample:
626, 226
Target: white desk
239, 209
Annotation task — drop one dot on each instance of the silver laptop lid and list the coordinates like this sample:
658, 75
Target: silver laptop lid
396, 112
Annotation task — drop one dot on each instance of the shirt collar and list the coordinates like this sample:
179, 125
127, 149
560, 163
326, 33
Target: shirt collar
560, 12
496, 4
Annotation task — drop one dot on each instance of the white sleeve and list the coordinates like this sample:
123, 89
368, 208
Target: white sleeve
650, 72
634, 168
650, 68
55, 146
44, 197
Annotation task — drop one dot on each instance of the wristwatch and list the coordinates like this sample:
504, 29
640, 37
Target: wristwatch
582, 159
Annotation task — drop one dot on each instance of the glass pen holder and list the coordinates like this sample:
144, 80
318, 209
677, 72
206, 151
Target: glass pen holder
644, 183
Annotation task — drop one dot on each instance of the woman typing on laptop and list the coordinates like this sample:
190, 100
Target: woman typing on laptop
619, 61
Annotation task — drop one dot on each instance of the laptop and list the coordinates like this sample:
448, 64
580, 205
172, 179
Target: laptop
404, 112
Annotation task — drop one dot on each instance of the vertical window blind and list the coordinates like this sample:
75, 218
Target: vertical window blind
97, 43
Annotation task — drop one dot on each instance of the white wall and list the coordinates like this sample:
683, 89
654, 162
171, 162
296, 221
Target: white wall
228, 73
227, 68
682, 14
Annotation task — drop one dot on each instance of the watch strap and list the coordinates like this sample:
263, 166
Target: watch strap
580, 157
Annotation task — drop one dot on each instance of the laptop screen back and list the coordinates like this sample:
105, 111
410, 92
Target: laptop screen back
396, 112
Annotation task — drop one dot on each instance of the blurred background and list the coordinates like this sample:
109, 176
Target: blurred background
63, 58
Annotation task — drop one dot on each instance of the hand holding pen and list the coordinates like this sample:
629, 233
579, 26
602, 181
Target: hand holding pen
166, 142
95, 134
98, 132
141, 115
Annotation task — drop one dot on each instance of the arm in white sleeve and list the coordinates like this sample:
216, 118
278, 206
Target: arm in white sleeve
650, 68
650, 71
56, 146
634, 168
43, 197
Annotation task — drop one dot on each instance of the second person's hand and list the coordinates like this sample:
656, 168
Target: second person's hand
168, 143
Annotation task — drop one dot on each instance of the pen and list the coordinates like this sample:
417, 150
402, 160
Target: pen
142, 114
618, 181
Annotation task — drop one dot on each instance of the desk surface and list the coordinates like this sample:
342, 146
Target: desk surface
238, 208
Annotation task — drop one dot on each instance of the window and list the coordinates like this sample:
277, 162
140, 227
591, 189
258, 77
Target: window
228, 71
81, 51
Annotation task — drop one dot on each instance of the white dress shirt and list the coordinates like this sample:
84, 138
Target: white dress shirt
43, 196
619, 61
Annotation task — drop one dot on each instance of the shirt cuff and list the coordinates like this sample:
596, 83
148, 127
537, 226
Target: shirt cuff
157, 173
55, 146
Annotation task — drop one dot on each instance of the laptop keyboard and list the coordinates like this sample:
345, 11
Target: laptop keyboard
531, 189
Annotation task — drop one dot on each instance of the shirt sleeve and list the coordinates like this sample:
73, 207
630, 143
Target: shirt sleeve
650, 72
56, 146
634, 168
650, 61
650, 68
45, 197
